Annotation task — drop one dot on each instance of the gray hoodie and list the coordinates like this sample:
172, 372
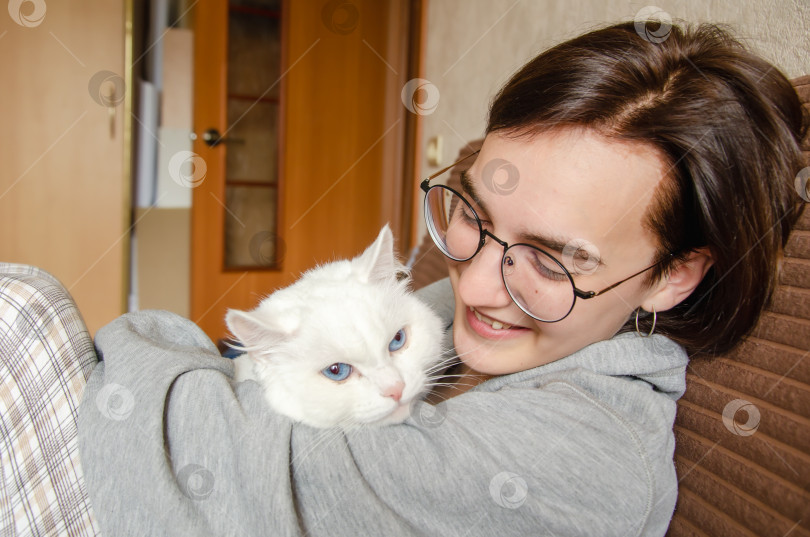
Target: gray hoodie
581, 446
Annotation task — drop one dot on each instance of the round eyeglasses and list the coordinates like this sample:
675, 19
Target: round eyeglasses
537, 282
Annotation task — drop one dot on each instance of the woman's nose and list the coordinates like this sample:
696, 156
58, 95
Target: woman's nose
480, 282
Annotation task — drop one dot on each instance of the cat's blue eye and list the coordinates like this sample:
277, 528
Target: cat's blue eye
337, 372
398, 341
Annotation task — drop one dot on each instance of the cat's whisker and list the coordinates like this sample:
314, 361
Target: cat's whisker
439, 398
450, 384
325, 437
441, 366
446, 379
444, 361
349, 422
449, 359
448, 375
442, 397
435, 373
450, 356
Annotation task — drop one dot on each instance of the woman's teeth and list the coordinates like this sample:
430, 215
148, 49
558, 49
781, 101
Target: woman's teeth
497, 325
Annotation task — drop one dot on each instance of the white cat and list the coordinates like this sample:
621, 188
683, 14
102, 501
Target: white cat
345, 345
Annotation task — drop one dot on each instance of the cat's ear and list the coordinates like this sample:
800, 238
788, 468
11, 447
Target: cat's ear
254, 330
378, 263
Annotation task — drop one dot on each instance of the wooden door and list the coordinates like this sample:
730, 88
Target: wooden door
64, 184
341, 145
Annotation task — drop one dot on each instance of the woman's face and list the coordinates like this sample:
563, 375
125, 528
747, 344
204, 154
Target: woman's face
567, 187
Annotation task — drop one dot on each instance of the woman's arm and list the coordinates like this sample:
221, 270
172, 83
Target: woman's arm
189, 453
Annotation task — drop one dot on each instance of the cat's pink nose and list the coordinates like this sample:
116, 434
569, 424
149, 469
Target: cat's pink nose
394, 391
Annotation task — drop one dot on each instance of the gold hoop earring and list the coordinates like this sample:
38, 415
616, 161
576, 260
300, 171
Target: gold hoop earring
655, 318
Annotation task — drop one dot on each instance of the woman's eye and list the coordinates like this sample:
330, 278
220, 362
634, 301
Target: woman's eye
398, 340
468, 216
337, 372
547, 269
553, 274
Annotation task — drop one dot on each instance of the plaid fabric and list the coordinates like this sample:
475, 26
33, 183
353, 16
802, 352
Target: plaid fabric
46, 356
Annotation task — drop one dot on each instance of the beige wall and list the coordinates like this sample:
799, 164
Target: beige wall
474, 45
64, 182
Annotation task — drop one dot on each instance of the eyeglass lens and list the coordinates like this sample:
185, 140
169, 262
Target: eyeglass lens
535, 280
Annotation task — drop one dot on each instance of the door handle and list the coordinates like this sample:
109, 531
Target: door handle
213, 138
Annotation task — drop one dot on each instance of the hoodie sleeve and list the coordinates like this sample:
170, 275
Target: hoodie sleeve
548, 460
171, 445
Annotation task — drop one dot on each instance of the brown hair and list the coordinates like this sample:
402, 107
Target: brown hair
728, 123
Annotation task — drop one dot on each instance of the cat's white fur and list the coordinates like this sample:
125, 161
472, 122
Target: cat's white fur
342, 312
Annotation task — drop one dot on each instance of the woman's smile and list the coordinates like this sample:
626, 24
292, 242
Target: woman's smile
490, 328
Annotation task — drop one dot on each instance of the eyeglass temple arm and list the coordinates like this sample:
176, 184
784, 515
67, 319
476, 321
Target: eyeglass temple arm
438, 173
590, 294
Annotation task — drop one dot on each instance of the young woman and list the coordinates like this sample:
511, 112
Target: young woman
650, 192
664, 166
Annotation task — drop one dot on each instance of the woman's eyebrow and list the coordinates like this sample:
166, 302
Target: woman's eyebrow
467, 187
554, 244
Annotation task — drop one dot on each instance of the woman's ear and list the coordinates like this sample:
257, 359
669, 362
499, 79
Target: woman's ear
681, 280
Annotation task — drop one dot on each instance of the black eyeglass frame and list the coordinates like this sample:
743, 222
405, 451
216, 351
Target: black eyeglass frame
578, 293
